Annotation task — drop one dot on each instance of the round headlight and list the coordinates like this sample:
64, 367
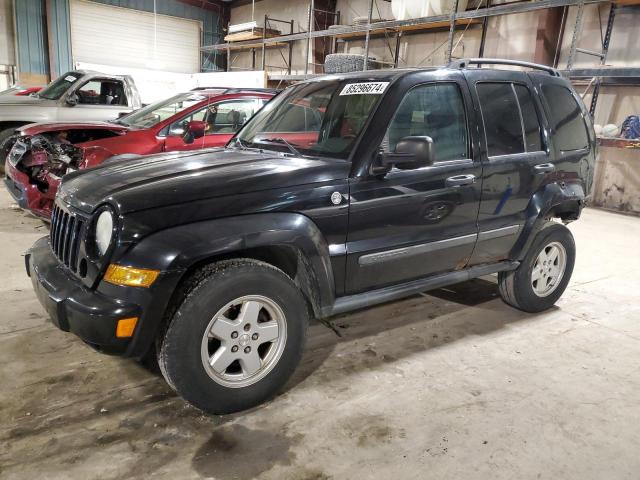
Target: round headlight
104, 231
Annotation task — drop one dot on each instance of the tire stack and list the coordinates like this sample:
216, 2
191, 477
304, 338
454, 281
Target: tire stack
348, 62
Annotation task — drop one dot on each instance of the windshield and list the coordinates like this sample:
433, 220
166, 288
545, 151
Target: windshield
56, 89
323, 118
160, 111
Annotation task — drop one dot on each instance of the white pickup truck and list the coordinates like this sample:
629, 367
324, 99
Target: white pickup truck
79, 95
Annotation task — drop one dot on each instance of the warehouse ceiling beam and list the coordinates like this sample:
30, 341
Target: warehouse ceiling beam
213, 5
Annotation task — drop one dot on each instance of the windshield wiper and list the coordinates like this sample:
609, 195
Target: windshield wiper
281, 140
239, 141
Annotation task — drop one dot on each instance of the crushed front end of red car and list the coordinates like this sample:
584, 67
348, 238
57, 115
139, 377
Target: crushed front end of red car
34, 167
39, 155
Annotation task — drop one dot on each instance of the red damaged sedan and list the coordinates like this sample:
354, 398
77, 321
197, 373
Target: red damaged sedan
42, 153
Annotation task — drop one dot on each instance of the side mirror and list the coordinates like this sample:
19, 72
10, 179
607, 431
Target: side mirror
195, 129
72, 99
410, 153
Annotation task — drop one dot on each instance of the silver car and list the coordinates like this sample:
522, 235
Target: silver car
75, 96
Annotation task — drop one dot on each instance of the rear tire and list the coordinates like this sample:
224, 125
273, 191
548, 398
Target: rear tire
544, 273
236, 337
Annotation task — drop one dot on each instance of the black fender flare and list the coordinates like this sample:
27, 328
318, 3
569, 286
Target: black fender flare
561, 200
181, 248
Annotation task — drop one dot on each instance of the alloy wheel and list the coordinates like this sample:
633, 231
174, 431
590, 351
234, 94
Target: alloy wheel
244, 341
548, 269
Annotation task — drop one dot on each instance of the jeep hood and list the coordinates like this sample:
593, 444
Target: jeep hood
179, 178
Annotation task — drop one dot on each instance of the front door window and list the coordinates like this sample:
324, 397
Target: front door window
102, 92
436, 111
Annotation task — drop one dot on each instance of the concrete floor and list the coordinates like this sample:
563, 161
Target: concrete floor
453, 384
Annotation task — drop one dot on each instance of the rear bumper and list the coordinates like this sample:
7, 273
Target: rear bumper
92, 314
26, 194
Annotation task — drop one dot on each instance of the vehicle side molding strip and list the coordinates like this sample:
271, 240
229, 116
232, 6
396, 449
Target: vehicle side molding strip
395, 292
499, 232
394, 254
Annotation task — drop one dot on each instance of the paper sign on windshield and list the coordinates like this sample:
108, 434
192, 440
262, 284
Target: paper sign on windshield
365, 88
69, 78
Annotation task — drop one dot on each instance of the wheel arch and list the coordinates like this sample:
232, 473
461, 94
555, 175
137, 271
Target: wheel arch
563, 201
288, 241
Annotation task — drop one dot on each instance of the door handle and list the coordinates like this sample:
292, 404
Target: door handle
460, 180
544, 168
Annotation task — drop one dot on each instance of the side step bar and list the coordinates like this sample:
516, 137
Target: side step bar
395, 292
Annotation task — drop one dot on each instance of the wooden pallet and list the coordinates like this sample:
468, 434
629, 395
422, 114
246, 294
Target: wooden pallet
253, 34
618, 142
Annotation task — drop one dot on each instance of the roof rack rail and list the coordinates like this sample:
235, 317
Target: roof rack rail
464, 62
236, 89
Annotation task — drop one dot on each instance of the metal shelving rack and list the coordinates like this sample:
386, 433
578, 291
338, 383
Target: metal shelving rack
597, 76
255, 44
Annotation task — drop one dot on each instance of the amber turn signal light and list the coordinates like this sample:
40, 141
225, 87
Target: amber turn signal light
129, 276
125, 327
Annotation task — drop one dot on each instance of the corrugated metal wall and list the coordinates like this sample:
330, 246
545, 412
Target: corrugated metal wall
33, 56
34, 33
59, 37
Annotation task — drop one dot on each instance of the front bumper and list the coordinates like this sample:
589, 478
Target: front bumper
92, 314
26, 194
73, 307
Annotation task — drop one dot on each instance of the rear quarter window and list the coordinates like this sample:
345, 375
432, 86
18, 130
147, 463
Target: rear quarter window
570, 131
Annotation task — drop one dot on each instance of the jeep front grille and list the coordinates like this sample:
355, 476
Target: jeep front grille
65, 236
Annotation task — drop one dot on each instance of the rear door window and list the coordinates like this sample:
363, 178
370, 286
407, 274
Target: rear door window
221, 117
570, 132
511, 122
530, 122
502, 124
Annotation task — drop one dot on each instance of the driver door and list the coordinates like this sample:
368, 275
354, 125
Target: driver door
223, 120
409, 224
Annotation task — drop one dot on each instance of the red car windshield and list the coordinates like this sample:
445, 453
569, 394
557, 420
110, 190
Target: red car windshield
321, 118
157, 112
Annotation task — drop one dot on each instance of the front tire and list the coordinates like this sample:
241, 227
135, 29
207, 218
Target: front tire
5, 149
544, 273
236, 338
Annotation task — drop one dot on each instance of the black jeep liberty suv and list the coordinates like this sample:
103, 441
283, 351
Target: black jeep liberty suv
343, 192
